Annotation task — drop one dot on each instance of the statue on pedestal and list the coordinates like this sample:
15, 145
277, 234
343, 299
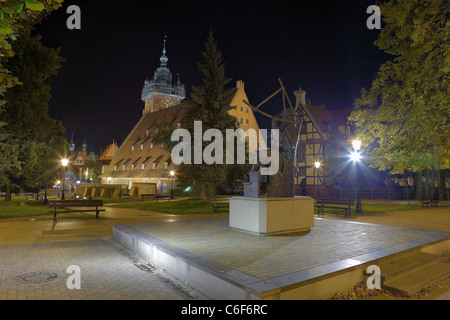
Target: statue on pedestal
289, 123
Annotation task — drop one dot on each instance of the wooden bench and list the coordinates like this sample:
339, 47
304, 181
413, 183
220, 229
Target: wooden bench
428, 202
126, 196
326, 202
74, 204
3, 194
220, 203
148, 195
156, 196
163, 196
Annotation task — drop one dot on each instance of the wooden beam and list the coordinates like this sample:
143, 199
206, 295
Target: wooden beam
256, 109
285, 94
268, 98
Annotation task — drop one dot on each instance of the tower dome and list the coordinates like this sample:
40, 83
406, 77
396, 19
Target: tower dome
161, 87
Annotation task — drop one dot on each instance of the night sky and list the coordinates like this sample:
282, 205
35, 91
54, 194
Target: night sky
324, 47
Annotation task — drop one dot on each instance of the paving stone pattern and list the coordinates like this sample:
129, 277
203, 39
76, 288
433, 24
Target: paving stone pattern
267, 257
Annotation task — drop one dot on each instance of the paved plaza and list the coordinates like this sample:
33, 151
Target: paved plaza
272, 257
41, 251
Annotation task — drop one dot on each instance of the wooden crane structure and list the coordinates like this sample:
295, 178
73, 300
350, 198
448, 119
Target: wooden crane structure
289, 123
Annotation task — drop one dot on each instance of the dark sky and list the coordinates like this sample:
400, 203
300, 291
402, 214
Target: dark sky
324, 47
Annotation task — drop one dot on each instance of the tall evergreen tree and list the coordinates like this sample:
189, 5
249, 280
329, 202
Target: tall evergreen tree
210, 104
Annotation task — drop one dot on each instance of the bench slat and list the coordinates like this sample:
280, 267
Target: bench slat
75, 203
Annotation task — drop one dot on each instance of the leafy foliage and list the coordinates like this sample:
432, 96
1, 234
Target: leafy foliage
13, 15
404, 117
31, 135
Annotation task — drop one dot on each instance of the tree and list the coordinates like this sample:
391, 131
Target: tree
94, 169
404, 118
28, 126
14, 14
9, 164
209, 104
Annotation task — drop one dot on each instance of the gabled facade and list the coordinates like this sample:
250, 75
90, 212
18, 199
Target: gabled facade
324, 135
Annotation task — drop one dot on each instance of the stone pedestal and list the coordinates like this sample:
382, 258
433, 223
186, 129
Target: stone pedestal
271, 216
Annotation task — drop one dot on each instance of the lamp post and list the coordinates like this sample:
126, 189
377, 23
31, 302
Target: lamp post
64, 163
316, 168
172, 173
356, 157
109, 189
57, 186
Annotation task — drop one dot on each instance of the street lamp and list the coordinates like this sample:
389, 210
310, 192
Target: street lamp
356, 145
172, 173
316, 168
57, 186
109, 189
356, 157
64, 163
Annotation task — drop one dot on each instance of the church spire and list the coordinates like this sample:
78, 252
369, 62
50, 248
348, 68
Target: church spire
164, 58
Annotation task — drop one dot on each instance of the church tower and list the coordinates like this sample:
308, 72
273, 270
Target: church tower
161, 92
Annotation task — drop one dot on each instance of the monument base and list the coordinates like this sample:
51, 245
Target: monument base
271, 216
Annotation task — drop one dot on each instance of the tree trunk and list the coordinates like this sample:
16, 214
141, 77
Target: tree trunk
202, 192
8, 190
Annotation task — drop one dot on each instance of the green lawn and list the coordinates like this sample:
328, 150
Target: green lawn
185, 206
193, 205
20, 207
369, 209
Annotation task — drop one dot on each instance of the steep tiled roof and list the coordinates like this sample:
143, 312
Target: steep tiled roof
328, 120
138, 149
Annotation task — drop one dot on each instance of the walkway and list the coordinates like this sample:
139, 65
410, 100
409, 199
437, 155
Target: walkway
41, 251
108, 271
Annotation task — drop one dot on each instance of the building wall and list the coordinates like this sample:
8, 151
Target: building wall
156, 102
245, 118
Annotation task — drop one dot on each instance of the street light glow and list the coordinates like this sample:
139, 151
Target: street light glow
172, 173
317, 164
355, 156
65, 162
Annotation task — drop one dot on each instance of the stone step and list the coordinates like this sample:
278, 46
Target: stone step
412, 281
401, 265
